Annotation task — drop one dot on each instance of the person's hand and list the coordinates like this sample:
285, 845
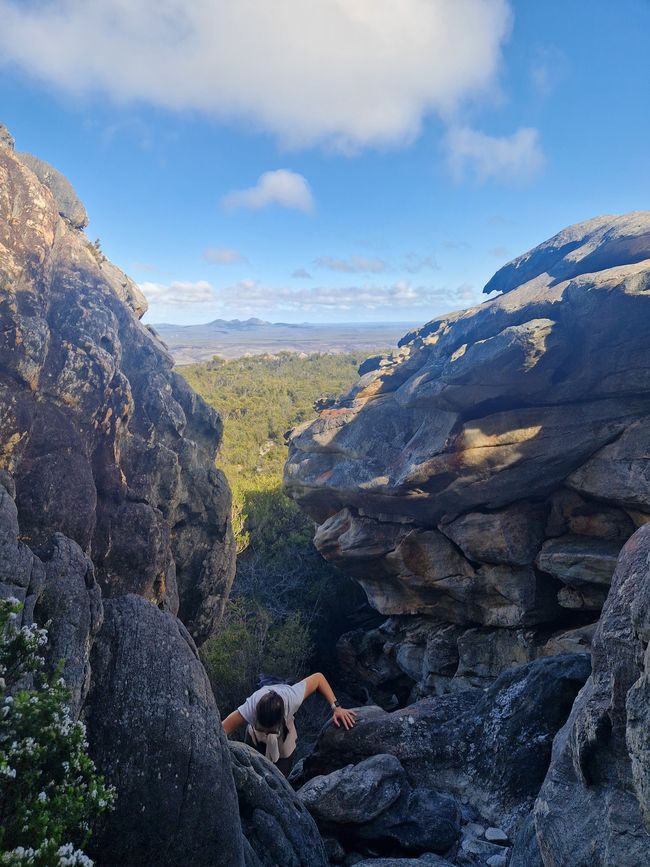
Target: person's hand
346, 717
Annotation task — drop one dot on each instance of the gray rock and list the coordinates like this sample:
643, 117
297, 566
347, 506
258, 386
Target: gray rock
497, 861
276, 824
71, 601
357, 793
491, 748
577, 560
420, 821
572, 514
106, 444
620, 471
429, 858
66, 199
154, 732
592, 808
525, 851
594, 245
497, 835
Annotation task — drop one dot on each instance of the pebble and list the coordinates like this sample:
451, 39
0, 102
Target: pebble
497, 861
496, 835
474, 829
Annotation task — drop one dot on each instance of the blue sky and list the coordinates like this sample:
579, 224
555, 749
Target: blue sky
330, 160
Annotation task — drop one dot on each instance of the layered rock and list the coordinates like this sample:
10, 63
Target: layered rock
106, 444
480, 482
594, 807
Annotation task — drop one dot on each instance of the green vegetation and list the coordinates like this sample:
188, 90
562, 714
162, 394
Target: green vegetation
49, 789
286, 597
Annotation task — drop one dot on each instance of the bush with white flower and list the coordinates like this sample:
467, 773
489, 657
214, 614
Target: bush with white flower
50, 792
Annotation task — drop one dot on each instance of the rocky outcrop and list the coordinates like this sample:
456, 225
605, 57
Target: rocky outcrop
106, 444
480, 481
490, 748
277, 827
155, 733
594, 807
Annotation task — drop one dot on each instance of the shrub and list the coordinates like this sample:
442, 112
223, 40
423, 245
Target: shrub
49, 789
251, 642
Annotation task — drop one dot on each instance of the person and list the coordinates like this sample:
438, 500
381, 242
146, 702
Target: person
268, 716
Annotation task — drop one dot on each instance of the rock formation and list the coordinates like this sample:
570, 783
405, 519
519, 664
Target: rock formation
594, 807
106, 444
480, 481
113, 521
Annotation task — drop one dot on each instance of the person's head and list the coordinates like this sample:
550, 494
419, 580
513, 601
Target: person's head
270, 713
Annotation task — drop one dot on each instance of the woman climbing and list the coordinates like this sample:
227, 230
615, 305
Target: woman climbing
268, 716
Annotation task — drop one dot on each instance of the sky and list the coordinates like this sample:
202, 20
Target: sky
330, 160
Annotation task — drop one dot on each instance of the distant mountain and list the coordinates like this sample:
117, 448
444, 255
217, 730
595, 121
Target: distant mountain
232, 338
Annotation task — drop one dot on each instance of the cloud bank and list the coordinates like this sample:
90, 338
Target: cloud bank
517, 157
281, 187
223, 256
179, 292
345, 73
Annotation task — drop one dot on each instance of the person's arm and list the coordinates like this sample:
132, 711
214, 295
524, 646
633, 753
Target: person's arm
318, 682
233, 721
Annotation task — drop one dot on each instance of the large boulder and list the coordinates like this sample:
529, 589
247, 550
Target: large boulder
594, 807
355, 794
106, 444
491, 748
277, 826
489, 471
155, 734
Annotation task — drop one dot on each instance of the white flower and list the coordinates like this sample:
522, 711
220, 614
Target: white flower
42, 797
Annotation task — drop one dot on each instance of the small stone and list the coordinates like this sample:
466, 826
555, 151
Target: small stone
472, 829
496, 835
497, 861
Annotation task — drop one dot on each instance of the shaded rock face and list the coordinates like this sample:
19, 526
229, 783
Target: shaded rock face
155, 733
491, 748
277, 827
486, 475
594, 807
106, 444
373, 804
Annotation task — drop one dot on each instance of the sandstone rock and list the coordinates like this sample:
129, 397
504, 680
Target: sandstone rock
592, 808
277, 826
577, 560
516, 424
65, 197
355, 794
572, 514
406, 571
513, 535
491, 747
106, 444
620, 471
155, 733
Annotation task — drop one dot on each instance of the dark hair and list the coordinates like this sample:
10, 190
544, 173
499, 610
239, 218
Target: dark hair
270, 712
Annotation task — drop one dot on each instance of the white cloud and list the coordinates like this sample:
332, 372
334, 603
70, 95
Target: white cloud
281, 187
223, 256
516, 157
301, 274
347, 73
180, 292
248, 296
353, 265
413, 263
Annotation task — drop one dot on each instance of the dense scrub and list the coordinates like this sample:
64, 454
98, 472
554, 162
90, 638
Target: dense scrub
286, 601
